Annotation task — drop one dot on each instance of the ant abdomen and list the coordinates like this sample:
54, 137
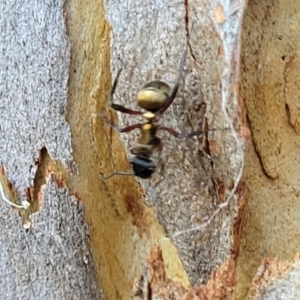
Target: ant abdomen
153, 95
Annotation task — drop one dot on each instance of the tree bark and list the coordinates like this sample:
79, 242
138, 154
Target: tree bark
270, 69
194, 198
178, 235
52, 258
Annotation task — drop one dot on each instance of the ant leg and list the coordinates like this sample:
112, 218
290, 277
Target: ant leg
103, 178
125, 110
118, 107
159, 149
176, 87
191, 134
125, 129
180, 71
114, 87
181, 135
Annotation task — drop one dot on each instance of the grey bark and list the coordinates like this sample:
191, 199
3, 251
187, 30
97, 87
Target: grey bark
34, 60
51, 260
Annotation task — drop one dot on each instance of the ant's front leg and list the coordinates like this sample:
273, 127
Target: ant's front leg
125, 110
118, 107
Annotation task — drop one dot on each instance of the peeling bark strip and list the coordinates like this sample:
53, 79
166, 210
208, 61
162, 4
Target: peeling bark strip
154, 283
148, 39
34, 70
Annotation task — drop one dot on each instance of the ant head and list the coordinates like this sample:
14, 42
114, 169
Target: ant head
143, 167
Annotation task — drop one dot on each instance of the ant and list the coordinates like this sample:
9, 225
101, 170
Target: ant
155, 98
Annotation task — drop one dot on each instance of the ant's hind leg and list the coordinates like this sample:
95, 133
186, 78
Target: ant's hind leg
190, 134
176, 87
159, 149
180, 71
181, 135
125, 129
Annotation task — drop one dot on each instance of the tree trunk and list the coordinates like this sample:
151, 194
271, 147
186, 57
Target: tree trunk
270, 39
178, 235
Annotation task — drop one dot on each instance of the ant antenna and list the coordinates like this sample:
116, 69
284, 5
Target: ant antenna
116, 173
